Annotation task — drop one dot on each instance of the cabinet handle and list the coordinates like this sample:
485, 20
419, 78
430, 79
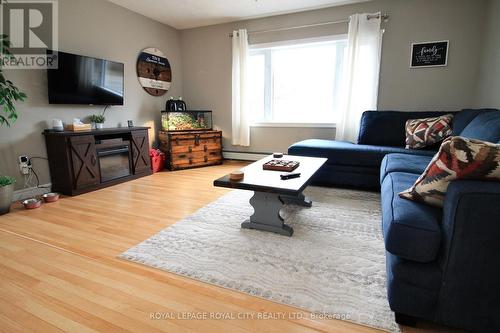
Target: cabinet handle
93, 160
196, 140
206, 158
190, 160
177, 141
190, 149
182, 155
205, 148
214, 153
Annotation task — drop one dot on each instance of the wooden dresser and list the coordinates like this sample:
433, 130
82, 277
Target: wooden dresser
191, 149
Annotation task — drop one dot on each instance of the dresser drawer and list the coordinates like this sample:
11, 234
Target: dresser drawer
195, 159
201, 147
192, 141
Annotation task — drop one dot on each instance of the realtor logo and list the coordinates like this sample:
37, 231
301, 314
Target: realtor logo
31, 27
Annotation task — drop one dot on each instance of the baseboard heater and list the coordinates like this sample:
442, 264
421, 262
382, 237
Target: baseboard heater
243, 156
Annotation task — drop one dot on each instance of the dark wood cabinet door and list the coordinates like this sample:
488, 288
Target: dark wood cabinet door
140, 152
84, 161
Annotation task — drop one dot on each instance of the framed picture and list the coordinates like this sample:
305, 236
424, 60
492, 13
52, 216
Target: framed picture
429, 54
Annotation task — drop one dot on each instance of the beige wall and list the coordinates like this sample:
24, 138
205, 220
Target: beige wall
201, 62
488, 94
95, 28
207, 61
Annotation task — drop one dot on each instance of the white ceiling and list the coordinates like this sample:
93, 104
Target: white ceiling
184, 14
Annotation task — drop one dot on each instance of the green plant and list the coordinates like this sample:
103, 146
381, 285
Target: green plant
97, 118
6, 180
9, 93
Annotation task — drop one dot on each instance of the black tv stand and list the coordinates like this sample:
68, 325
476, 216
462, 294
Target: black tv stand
81, 162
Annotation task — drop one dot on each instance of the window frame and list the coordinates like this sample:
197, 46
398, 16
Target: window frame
265, 49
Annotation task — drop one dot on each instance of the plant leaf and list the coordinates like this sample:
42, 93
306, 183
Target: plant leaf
4, 121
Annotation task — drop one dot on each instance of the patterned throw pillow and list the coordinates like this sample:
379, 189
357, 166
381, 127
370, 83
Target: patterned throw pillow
428, 131
458, 158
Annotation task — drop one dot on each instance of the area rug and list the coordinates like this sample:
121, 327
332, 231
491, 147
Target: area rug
333, 265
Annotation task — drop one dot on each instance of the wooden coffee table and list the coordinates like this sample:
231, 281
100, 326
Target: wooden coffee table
271, 193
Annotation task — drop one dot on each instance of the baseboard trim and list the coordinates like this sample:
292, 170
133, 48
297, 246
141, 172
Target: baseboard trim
31, 192
243, 156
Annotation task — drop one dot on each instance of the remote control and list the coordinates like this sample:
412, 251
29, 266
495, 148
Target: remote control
290, 175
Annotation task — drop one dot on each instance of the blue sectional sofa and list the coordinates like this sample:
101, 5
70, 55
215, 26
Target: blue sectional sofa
443, 265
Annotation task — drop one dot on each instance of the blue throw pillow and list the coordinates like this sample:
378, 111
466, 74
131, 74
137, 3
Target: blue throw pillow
485, 126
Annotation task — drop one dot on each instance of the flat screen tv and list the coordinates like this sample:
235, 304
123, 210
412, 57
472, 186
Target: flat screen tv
84, 80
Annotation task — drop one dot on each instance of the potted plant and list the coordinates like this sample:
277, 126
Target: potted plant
6, 193
9, 94
97, 120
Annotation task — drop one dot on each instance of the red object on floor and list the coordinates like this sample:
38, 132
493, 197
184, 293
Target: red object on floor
157, 160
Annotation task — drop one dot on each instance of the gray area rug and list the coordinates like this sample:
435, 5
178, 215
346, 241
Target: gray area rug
333, 264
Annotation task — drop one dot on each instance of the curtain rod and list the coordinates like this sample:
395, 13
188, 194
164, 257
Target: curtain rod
384, 18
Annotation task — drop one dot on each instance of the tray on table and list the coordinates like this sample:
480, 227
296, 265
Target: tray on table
281, 165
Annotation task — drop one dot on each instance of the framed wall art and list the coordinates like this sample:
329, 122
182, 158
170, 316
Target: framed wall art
154, 71
429, 54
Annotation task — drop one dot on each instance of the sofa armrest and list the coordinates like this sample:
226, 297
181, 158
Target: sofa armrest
471, 255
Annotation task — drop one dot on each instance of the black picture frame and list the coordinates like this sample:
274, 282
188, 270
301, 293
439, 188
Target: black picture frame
429, 54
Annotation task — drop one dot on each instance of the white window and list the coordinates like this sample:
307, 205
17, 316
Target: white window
297, 81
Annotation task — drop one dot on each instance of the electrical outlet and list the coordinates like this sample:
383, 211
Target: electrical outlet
24, 165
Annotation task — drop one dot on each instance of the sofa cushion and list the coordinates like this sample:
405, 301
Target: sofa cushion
411, 229
485, 126
347, 176
346, 153
464, 117
387, 128
458, 158
415, 164
426, 132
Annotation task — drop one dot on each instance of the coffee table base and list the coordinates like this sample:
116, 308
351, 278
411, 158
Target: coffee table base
267, 208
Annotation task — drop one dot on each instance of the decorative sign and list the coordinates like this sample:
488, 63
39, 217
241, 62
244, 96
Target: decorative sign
154, 72
430, 54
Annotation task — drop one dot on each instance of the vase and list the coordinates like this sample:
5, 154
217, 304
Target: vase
99, 125
6, 193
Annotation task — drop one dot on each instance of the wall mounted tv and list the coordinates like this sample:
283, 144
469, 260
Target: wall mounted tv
84, 80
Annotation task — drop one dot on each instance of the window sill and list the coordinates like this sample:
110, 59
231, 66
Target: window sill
294, 125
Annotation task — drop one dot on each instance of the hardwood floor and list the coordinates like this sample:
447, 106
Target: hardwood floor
59, 271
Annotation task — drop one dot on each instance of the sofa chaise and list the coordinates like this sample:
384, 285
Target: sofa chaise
442, 264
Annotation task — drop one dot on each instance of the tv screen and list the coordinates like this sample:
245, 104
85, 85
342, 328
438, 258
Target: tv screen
85, 80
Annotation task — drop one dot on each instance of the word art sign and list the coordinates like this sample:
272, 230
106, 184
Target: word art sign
154, 72
429, 54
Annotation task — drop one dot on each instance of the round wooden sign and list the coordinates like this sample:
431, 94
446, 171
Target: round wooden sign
154, 72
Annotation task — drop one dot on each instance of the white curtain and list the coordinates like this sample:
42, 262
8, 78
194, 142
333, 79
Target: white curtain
360, 88
240, 113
